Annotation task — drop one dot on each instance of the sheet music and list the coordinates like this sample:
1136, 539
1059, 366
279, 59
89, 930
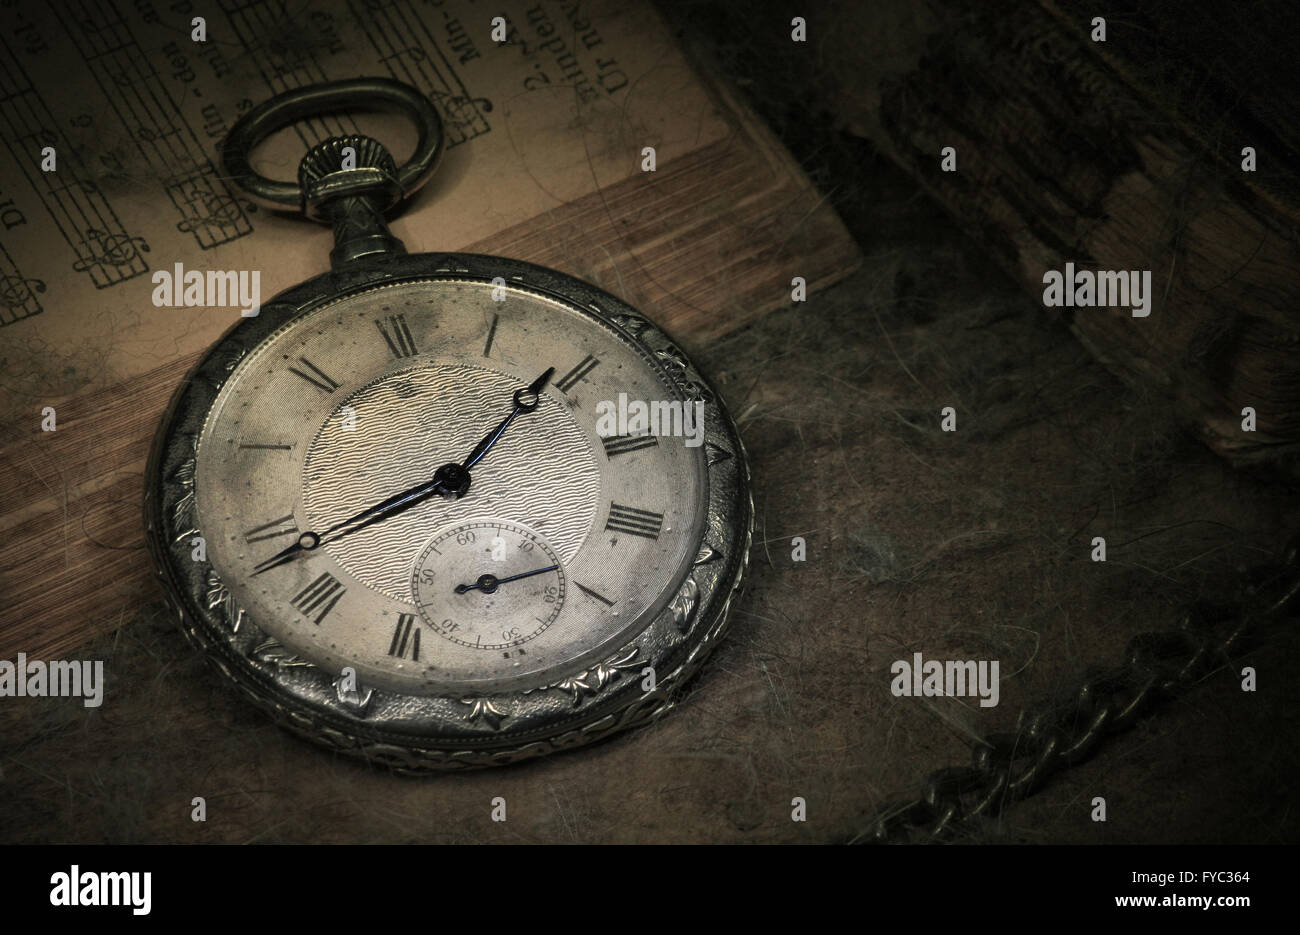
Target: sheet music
133, 108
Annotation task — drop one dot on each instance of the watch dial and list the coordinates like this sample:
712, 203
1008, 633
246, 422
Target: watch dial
567, 539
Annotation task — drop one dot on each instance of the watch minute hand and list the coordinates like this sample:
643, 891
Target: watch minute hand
521, 405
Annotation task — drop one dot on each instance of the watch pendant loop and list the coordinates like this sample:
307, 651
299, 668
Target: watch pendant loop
311, 101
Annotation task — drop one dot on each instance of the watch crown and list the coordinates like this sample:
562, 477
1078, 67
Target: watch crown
328, 157
344, 166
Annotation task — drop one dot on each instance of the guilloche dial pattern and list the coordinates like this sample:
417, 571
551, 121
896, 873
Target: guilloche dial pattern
370, 395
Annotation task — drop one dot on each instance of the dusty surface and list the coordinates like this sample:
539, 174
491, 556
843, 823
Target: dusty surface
970, 544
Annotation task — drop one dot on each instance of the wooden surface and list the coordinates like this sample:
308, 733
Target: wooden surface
966, 545
1117, 155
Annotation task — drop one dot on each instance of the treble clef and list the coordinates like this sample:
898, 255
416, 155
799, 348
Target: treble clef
218, 211
109, 249
16, 291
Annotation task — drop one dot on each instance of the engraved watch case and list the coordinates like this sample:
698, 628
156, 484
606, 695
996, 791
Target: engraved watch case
411, 732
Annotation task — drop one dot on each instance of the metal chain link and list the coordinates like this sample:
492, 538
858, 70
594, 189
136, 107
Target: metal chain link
1007, 767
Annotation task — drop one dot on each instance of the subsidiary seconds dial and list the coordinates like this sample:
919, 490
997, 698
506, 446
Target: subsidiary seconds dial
488, 584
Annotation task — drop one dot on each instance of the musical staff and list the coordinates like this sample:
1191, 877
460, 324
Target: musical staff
260, 26
402, 40
17, 292
74, 203
166, 141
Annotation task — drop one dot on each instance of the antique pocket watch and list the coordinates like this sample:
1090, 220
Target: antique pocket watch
442, 510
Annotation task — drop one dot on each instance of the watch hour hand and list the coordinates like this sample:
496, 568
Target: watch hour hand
450, 478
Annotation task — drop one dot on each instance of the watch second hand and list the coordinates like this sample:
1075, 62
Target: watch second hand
489, 583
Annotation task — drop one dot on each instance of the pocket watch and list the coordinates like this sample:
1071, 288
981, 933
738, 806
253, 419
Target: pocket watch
441, 510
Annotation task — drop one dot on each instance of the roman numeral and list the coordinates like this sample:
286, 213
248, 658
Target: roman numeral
634, 522
622, 444
284, 526
406, 639
570, 379
492, 332
595, 594
324, 593
324, 382
400, 341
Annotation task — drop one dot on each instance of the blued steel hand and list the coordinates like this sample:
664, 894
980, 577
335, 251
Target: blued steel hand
447, 480
526, 400
488, 583
451, 480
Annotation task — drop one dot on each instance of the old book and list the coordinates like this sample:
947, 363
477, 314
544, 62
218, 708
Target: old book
547, 135
1122, 154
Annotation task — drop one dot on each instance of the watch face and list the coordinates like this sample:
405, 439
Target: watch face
578, 535
450, 510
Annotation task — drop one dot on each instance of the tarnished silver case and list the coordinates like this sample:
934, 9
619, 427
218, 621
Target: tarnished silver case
418, 733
